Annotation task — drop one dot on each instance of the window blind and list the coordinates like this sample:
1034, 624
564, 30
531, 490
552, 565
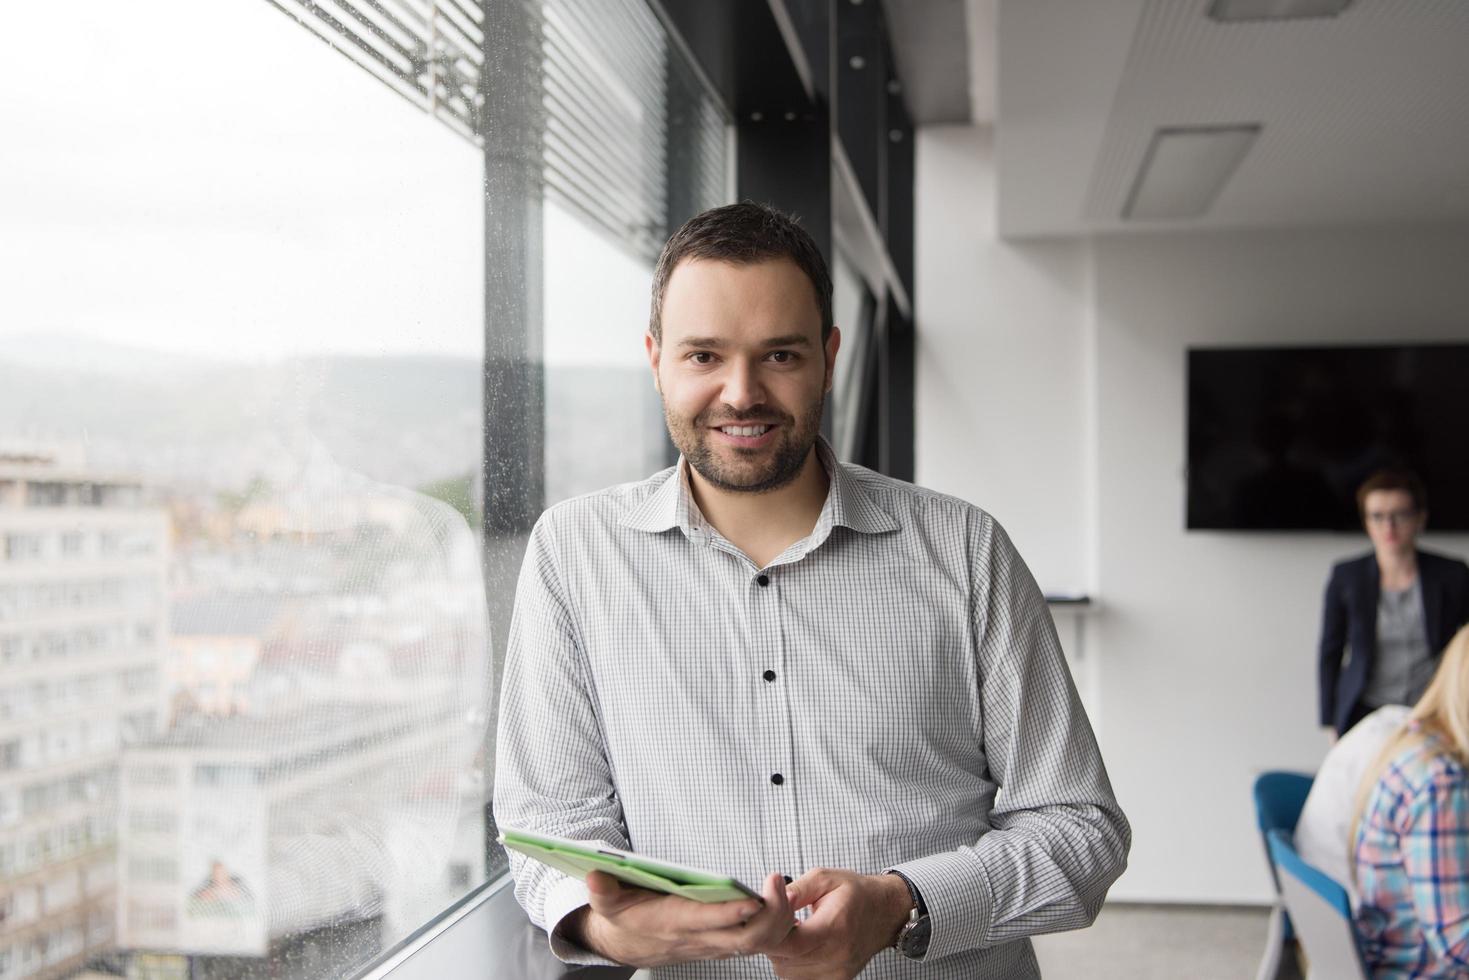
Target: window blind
624, 119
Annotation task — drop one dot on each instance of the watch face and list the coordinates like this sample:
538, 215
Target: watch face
913, 943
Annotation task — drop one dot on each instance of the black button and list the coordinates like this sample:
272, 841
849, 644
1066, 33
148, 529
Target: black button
763, 581
769, 675
777, 779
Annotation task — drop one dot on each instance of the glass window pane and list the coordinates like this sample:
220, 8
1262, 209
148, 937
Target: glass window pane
634, 146
599, 388
852, 312
245, 689
286, 315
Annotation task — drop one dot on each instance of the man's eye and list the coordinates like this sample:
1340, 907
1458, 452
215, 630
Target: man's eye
701, 357
783, 356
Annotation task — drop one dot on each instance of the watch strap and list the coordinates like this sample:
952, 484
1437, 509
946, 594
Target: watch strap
919, 909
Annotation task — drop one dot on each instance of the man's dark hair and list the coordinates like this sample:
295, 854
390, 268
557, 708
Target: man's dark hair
1394, 478
743, 234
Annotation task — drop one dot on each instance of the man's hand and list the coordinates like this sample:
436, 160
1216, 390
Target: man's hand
853, 918
642, 928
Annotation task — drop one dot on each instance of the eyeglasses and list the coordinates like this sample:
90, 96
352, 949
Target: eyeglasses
1393, 517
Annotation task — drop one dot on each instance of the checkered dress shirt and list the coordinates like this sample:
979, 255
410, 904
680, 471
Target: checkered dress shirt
889, 692
1413, 867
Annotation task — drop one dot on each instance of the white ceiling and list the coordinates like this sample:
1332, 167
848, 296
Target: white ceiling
1365, 116
945, 54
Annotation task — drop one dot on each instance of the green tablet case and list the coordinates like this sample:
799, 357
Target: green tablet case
579, 857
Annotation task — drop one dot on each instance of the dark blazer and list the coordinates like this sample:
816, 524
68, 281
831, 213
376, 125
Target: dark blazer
1350, 623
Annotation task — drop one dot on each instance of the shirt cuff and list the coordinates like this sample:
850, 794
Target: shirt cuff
957, 898
564, 898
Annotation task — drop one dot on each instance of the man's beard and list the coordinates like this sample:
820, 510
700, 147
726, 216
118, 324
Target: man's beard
789, 455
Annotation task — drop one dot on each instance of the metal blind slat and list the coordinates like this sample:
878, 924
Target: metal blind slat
582, 92
575, 197
571, 166
607, 75
629, 20
614, 168
606, 72
628, 139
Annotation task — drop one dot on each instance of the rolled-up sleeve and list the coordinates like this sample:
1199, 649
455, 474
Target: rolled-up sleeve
551, 770
1058, 839
1435, 848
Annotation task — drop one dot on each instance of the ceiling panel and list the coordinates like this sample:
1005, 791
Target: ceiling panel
1364, 116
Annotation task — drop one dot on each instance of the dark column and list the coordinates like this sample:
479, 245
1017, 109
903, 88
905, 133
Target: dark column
897, 228
511, 124
895, 396
897, 213
512, 127
861, 73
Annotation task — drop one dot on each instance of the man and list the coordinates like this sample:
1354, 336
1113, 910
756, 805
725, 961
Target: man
771, 664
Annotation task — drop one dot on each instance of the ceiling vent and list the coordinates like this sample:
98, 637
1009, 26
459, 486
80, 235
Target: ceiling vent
1184, 170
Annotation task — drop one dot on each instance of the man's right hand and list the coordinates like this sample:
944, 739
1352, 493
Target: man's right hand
640, 928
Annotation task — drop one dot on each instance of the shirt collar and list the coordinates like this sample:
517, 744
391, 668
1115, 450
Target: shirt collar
671, 504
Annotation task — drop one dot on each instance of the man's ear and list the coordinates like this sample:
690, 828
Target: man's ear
830, 348
655, 354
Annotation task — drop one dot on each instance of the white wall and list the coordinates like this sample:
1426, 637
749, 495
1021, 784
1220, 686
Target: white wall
1200, 662
1001, 361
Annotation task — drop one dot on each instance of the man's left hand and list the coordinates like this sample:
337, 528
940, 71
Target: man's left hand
853, 918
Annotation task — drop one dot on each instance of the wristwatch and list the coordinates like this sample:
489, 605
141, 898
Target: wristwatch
913, 938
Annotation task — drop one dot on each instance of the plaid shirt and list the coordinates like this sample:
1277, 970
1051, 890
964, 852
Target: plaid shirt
1413, 867
888, 692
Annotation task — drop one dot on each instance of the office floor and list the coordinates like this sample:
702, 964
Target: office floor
1159, 942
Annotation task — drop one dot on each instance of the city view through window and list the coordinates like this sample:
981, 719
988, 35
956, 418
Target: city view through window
246, 680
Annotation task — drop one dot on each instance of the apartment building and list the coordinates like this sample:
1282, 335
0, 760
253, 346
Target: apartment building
82, 617
243, 834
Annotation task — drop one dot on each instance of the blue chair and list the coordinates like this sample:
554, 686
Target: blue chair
1279, 797
1321, 911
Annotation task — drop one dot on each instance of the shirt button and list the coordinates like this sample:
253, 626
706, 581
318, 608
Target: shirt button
777, 779
763, 581
769, 675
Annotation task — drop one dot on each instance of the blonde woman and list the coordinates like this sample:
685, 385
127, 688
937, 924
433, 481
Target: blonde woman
1412, 839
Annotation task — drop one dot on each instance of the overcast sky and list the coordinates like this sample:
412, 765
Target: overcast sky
207, 177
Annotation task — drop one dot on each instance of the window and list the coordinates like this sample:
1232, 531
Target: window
153, 821
151, 917
852, 309
45, 495
155, 870
21, 547
146, 776
302, 364
137, 727
224, 776
9, 807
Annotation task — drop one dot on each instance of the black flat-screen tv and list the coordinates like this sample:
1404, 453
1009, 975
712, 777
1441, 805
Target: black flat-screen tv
1279, 438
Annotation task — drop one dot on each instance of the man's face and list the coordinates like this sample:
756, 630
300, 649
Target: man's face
1392, 521
742, 370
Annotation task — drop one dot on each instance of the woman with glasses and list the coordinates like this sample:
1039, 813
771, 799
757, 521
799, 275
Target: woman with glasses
1389, 613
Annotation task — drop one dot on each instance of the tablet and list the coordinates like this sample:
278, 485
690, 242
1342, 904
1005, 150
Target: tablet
577, 857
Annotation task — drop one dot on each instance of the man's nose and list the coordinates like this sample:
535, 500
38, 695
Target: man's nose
742, 387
